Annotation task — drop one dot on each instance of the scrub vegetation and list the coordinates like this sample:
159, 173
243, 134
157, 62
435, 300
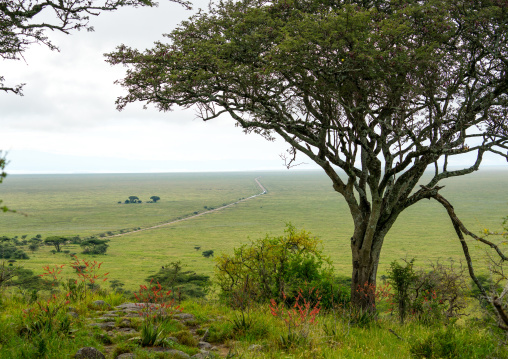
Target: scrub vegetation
426, 305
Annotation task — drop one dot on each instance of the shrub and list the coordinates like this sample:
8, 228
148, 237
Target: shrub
271, 266
401, 278
10, 251
429, 296
94, 246
183, 284
155, 302
208, 253
185, 337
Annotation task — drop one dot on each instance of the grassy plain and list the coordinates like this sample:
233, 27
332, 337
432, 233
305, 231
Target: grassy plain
87, 204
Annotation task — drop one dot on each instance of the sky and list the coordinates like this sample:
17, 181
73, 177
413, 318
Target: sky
67, 122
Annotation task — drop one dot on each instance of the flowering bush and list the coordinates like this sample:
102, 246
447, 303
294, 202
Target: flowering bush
88, 277
155, 302
46, 316
298, 318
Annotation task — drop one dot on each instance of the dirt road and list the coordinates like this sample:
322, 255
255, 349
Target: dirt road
263, 191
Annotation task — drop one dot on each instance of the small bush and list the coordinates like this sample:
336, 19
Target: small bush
271, 266
94, 246
183, 284
185, 337
208, 253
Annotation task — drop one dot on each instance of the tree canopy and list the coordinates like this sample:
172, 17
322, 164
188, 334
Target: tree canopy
374, 92
56, 241
25, 22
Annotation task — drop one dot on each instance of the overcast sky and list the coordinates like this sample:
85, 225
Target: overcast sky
67, 121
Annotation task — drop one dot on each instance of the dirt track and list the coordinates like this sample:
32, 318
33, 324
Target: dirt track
263, 189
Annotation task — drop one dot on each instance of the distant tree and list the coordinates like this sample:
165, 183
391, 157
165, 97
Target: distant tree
94, 246
117, 285
133, 199
127, 201
155, 198
197, 248
208, 253
33, 246
56, 241
183, 283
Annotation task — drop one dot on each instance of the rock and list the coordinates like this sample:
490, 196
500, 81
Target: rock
184, 316
105, 325
127, 330
110, 315
203, 355
104, 319
135, 306
204, 345
89, 353
99, 304
205, 336
173, 339
126, 356
255, 348
73, 314
177, 354
125, 322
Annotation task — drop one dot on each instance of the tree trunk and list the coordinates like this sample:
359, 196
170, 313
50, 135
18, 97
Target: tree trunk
363, 279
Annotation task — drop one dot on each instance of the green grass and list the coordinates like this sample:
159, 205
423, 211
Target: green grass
87, 204
467, 340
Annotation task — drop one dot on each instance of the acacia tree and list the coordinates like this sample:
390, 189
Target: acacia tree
56, 241
25, 22
377, 90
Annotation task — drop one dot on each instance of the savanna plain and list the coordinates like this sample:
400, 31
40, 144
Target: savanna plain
144, 238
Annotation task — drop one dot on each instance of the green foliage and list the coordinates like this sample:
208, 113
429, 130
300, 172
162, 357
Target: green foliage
401, 278
21, 278
10, 251
150, 333
133, 199
344, 78
208, 253
185, 337
46, 317
94, 246
452, 342
183, 283
33, 246
56, 241
273, 266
